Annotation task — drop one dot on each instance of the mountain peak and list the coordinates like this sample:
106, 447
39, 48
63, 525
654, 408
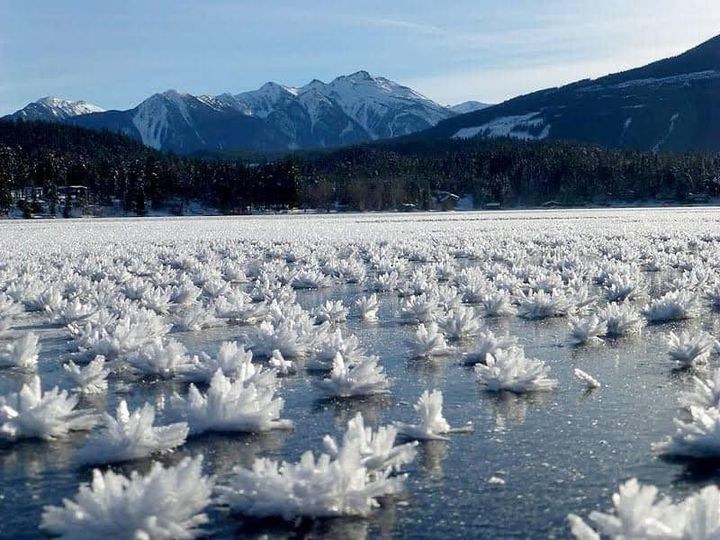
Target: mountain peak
272, 87
361, 75
52, 100
350, 109
51, 108
468, 106
315, 85
175, 95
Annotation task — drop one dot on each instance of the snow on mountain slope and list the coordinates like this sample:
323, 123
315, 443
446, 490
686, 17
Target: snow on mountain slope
151, 121
263, 101
378, 104
350, 109
468, 106
171, 119
529, 126
54, 109
666, 106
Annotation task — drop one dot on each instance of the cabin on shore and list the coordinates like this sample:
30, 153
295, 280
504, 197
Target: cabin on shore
444, 200
27, 194
551, 204
35, 201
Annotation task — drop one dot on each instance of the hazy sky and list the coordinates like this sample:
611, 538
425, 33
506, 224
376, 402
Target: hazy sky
115, 53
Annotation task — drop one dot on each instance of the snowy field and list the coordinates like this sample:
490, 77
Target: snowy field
351, 376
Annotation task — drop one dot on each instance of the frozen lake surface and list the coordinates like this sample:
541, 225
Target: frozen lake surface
531, 459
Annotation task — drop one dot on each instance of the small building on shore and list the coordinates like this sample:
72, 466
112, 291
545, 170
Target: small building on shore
444, 200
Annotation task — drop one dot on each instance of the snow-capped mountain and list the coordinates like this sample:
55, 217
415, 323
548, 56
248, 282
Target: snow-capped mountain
348, 110
54, 109
670, 105
382, 107
469, 106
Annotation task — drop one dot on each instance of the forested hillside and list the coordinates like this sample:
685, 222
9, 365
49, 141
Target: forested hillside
113, 166
507, 171
368, 177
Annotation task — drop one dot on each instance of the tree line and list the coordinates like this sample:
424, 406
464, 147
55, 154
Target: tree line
376, 176
112, 166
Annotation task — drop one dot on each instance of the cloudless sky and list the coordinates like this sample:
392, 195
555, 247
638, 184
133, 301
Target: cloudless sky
115, 53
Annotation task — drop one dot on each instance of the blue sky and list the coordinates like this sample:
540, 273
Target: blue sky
116, 53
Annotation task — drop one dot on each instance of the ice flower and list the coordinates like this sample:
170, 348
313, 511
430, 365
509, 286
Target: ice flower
315, 488
90, 379
163, 359
673, 306
234, 361
157, 299
541, 305
136, 288
131, 436
22, 353
215, 287
689, 349
292, 339
433, 425
282, 366
590, 381
363, 379
705, 393
418, 283
332, 344
73, 311
238, 308
621, 287
487, 343
51, 300
445, 269
377, 448
167, 503
195, 318
386, 282
230, 406
368, 307
497, 304
621, 320
267, 290
447, 297
587, 330
9, 309
184, 294
310, 279
332, 311
697, 438
233, 272
509, 369
460, 323
419, 309
8, 306
429, 341
124, 336
32, 414
351, 270
640, 514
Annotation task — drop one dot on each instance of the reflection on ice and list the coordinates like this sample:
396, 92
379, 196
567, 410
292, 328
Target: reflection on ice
431, 455
510, 408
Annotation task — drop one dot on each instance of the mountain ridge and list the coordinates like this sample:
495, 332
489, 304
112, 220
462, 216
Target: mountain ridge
350, 109
669, 105
52, 108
